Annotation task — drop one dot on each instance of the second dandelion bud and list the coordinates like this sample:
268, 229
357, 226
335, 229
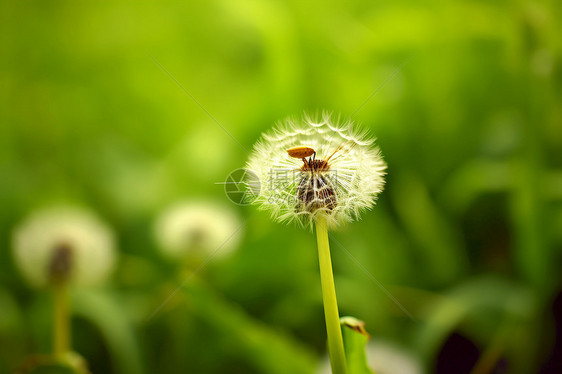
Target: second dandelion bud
311, 168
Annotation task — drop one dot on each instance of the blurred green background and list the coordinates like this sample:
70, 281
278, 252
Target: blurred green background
467, 234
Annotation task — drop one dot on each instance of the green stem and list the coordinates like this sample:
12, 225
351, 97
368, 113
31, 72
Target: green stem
61, 341
333, 328
492, 354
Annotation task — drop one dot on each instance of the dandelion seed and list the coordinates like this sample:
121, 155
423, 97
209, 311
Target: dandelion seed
311, 168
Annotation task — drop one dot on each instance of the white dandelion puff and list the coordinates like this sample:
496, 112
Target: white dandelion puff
63, 244
309, 168
196, 227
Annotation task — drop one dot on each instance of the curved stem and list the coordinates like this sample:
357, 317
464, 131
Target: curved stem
61, 341
333, 328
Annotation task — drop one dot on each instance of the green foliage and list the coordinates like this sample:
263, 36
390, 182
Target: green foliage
71, 363
355, 340
52, 369
467, 234
104, 312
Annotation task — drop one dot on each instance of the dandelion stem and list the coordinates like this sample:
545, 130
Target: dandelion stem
333, 328
61, 341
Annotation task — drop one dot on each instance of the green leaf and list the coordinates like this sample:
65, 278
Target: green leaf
269, 350
355, 339
71, 363
104, 311
52, 369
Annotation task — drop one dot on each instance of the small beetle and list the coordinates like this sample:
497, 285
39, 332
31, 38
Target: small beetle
301, 152
315, 189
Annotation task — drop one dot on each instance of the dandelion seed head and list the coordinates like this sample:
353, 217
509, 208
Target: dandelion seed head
188, 227
63, 244
339, 181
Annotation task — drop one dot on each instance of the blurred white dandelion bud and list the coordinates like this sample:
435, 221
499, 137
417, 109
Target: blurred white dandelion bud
63, 244
197, 227
385, 357
308, 168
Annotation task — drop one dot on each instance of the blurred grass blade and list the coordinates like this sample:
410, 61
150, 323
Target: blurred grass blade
355, 339
68, 363
105, 313
269, 350
51, 369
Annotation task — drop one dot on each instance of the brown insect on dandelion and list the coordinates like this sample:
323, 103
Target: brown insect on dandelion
315, 190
